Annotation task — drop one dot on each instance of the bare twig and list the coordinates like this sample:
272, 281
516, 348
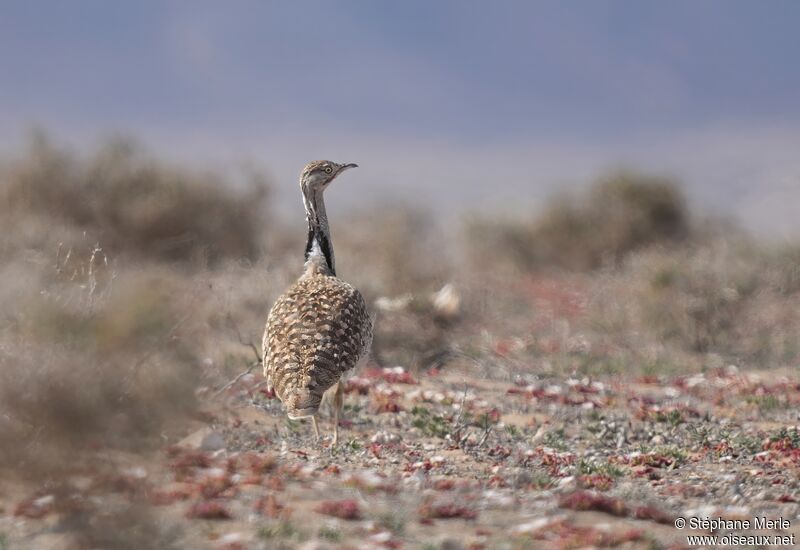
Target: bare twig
485, 435
235, 327
92, 274
238, 377
457, 427
259, 360
151, 351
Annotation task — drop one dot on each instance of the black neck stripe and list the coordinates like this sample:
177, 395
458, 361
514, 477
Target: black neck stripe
324, 244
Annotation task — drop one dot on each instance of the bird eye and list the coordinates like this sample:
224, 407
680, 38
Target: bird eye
328, 169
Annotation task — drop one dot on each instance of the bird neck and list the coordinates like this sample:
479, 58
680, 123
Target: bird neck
319, 249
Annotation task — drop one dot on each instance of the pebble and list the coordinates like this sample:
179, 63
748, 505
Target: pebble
136, 472
212, 442
385, 437
450, 544
230, 538
315, 545
381, 538
568, 483
536, 525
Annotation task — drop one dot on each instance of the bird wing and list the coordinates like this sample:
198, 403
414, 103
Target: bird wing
316, 331
265, 356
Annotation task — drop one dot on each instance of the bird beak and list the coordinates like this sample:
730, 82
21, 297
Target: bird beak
346, 166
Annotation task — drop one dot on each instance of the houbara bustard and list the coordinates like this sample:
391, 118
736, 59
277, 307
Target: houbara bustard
319, 329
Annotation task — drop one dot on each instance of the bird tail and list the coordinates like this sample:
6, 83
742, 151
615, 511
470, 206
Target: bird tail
302, 403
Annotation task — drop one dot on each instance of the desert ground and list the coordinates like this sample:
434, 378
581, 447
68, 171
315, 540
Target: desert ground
582, 378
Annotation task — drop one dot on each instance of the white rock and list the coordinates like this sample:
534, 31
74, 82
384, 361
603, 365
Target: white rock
46, 500
497, 499
536, 525
137, 472
212, 442
447, 301
382, 537
567, 482
212, 472
230, 538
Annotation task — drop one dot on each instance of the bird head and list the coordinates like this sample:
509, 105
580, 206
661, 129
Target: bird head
318, 174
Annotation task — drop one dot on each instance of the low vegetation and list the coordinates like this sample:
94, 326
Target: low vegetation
615, 216
607, 353
130, 202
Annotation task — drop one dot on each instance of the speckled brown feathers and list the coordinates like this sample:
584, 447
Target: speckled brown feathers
319, 329
316, 332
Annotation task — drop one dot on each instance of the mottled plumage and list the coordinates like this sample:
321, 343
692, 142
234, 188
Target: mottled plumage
316, 332
319, 329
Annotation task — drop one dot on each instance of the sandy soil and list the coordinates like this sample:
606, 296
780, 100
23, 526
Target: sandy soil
451, 460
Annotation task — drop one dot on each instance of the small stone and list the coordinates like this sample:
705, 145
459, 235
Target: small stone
315, 545
195, 439
136, 472
230, 538
385, 437
212, 442
568, 483
539, 436
382, 537
450, 544
46, 500
521, 478
536, 525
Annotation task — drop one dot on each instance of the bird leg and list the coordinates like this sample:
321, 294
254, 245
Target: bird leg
316, 428
338, 402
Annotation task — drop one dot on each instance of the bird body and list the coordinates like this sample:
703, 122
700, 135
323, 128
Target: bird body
317, 331
320, 328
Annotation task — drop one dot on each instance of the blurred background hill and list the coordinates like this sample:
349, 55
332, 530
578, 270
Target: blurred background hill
470, 107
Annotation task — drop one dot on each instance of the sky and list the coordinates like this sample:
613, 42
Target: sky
455, 105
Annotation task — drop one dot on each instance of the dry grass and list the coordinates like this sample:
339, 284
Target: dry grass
107, 304
729, 298
667, 294
392, 249
618, 214
130, 290
78, 373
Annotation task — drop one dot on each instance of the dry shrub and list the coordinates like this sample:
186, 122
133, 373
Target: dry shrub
391, 250
664, 310
617, 215
133, 203
80, 374
397, 252
733, 298
121, 526
783, 262
102, 363
692, 296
